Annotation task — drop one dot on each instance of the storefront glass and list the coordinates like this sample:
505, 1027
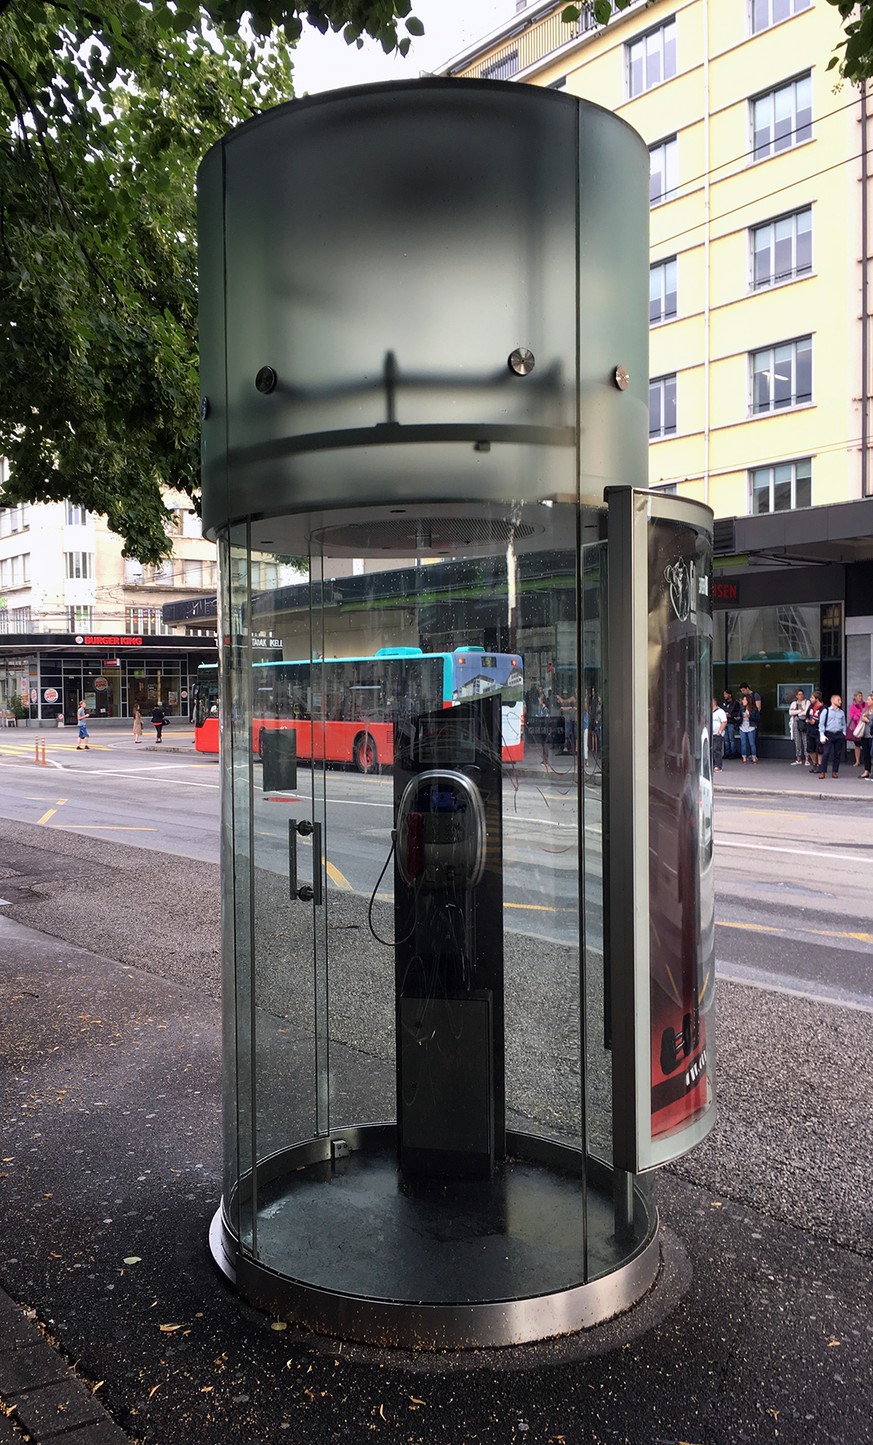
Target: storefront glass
777, 650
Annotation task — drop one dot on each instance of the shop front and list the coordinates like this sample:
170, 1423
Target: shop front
111, 673
792, 609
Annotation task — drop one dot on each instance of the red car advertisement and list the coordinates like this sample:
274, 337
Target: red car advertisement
681, 892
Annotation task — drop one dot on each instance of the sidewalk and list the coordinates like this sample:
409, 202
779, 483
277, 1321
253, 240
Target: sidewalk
758, 1329
776, 778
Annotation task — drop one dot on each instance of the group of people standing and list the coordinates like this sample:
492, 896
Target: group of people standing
735, 725
820, 731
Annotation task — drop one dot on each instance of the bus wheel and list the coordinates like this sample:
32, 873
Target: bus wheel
365, 753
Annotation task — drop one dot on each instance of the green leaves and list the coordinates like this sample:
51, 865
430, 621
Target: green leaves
856, 63
105, 113
600, 10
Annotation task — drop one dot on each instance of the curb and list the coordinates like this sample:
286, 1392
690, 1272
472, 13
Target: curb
40, 1393
726, 790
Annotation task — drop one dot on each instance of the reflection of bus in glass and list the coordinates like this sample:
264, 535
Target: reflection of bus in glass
344, 709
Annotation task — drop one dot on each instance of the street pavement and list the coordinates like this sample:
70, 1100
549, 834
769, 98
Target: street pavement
115, 1325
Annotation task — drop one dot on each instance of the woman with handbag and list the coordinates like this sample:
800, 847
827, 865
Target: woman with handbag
853, 738
867, 736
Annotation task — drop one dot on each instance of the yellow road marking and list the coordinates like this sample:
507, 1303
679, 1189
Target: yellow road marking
817, 932
540, 908
45, 817
17, 750
336, 877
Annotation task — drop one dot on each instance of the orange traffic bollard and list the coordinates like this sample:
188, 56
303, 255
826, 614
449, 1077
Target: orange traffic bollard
36, 750
42, 760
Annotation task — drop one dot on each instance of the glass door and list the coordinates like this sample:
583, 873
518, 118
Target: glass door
417, 901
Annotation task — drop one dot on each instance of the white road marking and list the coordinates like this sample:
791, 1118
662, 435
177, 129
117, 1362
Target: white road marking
824, 855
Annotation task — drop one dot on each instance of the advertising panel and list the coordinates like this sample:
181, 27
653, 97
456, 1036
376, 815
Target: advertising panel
681, 892
659, 826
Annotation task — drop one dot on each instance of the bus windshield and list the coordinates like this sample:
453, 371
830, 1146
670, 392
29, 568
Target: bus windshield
205, 694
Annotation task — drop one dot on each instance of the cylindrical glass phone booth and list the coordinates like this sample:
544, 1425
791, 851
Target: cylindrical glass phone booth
424, 356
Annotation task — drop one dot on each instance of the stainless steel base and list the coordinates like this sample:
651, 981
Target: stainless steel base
342, 1244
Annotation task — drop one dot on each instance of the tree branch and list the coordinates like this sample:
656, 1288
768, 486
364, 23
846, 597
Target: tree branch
54, 179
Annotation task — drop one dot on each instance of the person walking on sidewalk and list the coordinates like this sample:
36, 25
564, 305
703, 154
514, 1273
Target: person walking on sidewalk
137, 723
855, 712
82, 723
816, 704
751, 717
832, 732
719, 724
159, 719
797, 716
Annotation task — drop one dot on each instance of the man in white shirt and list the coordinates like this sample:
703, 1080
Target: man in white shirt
719, 726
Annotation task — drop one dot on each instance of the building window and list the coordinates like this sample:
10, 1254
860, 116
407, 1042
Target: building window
831, 631
769, 12
265, 575
662, 406
79, 564
147, 621
20, 619
662, 291
782, 376
503, 68
14, 519
76, 516
663, 171
667, 489
80, 619
651, 58
782, 118
15, 571
781, 488
781, 249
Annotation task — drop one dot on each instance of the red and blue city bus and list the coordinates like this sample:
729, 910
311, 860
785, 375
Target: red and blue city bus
343, 709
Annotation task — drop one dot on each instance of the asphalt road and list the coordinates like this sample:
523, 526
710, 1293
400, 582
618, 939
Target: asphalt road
111, 1052
794, 902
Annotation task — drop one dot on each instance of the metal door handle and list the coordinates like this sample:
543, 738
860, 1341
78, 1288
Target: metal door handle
304, 893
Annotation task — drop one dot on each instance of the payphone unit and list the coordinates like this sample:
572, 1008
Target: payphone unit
449, 941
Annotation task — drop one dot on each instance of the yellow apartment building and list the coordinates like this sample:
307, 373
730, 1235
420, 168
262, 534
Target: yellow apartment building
759, 305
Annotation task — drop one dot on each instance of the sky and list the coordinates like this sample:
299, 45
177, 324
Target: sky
325, 62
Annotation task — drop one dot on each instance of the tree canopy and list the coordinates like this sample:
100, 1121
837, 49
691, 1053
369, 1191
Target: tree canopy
856, 61
106, 109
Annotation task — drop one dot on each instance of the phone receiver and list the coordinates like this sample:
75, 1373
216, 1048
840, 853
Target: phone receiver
441, 835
